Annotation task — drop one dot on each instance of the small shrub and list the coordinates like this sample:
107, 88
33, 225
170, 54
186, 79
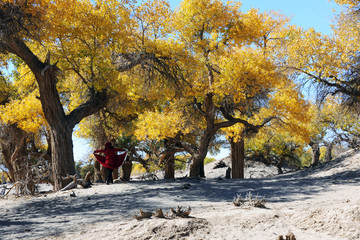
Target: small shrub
249, 201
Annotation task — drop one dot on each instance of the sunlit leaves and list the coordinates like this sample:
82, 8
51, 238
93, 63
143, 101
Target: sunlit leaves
207, 25
231, 54
317, 55
351, 3
26, 113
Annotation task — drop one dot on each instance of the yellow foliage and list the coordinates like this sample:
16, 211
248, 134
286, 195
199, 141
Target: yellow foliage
26, 112
4, 176
317, 55
138, 169
351, 3
161, 124
231, 55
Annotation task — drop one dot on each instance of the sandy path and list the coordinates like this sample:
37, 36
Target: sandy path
313, 204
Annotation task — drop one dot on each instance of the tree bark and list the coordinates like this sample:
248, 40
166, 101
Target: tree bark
16, 158
115, 173
170, 167
237, 158
168, 157
280, 164
198, 156
328, 152
100, 138
316, 154
126, 171
197, 166
63, 163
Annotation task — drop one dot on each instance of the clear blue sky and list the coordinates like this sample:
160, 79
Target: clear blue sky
317, 14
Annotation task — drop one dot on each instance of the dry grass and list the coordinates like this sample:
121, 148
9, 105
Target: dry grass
249, 201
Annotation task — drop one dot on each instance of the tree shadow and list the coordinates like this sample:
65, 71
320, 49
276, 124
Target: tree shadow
55, 215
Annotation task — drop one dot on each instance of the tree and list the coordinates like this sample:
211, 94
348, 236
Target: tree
22, 129
148, 59
230, 78
274, 146
81, 37
330, 62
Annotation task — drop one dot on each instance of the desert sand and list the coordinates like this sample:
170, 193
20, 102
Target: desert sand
320, 203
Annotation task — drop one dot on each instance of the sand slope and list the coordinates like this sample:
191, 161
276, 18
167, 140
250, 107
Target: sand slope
321, 203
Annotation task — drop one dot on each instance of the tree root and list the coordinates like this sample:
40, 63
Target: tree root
179, 212
85, 183
143, 215
289, 236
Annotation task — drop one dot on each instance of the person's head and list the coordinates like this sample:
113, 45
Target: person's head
108, 145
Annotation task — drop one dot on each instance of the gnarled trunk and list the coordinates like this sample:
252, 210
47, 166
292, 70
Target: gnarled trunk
168, 158
197, 166
126, 170
63, 163
61, 125
328, 152
316, 154
280, 164
16, 158
170, 167
237, 158
198, 156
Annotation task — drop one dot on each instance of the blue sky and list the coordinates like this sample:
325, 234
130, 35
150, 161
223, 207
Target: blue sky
317, 14
304, 13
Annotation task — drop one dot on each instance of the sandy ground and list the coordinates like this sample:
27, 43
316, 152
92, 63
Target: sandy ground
321, 203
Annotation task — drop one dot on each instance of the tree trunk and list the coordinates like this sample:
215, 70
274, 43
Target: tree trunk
170, 167
16, 158
328, 152
61, 125
97, 173
168, 157
126, 171
237, 158
63, 163
280, 164
197, 166
100, 138
116, 173
198, 156
316, 154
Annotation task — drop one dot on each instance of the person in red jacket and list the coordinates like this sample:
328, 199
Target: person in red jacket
110, 158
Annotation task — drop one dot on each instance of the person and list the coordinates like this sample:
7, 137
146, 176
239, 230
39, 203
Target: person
111, 160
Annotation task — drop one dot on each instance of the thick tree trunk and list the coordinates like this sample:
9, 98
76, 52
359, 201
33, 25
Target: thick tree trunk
198, 156
237, 158
170, 167
97, 173
280, 164
63, 163
116, 173
168, 158
328, 152
126, 171
197, 166
316, 154
100, 139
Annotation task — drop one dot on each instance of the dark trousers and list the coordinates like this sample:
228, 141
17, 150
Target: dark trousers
109, 178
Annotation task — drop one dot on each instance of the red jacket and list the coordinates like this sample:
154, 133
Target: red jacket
112, 159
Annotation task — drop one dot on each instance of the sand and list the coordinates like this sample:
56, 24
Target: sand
321, 203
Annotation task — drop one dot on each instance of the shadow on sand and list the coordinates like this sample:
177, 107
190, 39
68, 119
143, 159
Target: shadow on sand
31, 219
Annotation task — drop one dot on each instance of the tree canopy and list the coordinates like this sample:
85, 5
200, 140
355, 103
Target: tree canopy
191, 74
